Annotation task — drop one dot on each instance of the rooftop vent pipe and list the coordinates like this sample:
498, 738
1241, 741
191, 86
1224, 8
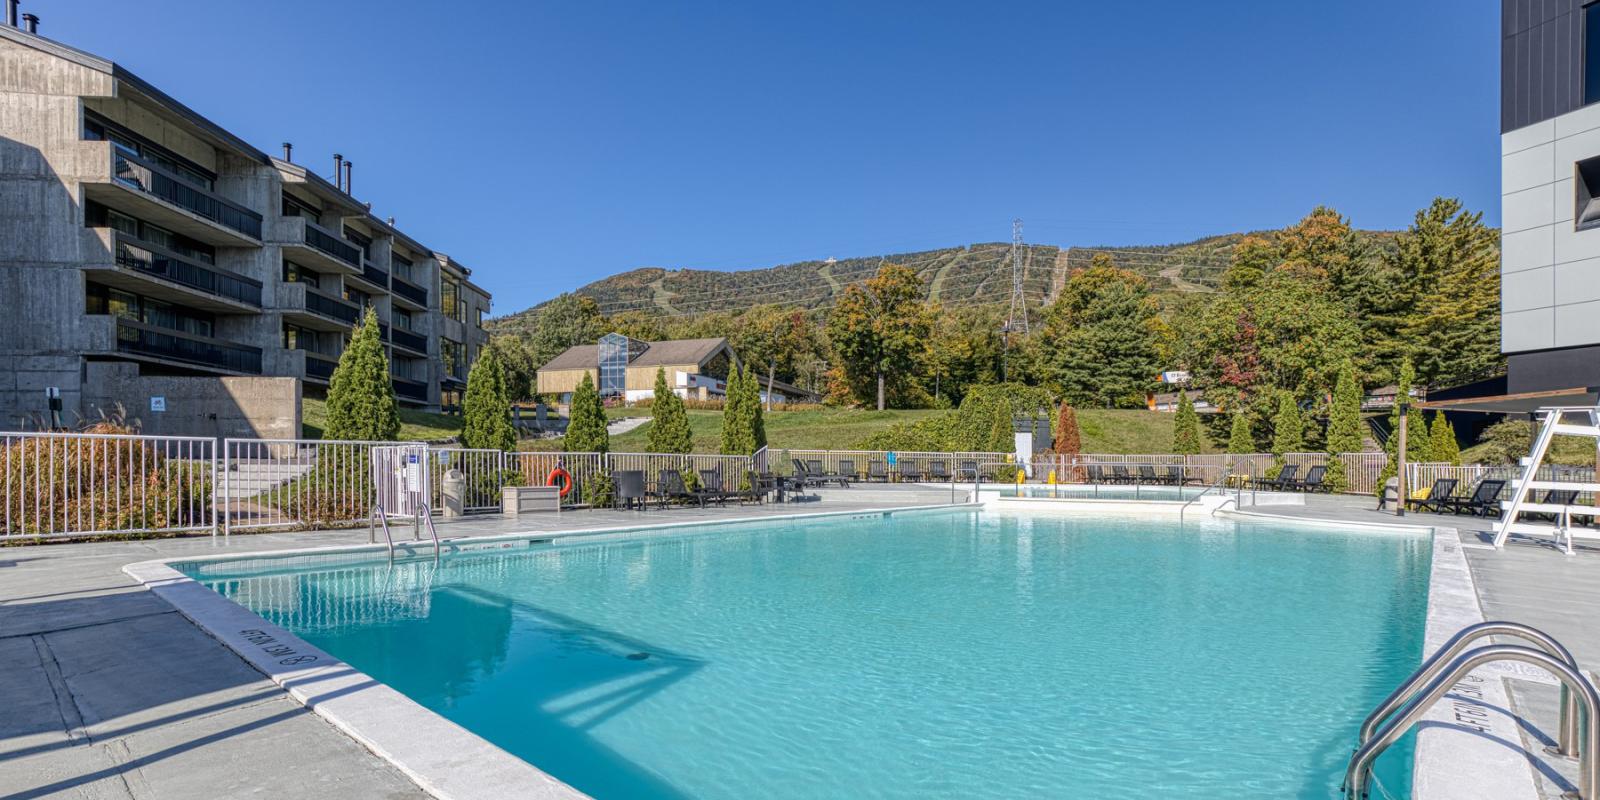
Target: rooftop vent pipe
347, 166
338, 170
11, 12
288, 152
31, 23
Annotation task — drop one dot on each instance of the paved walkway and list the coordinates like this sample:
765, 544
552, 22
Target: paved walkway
107, 692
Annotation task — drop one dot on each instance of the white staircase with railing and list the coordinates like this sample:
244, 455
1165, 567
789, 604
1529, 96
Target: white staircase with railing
1555, 421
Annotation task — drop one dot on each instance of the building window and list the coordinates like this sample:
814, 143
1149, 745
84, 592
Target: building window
450, 352
616, 352
1586, 187
294, 273
295, 207
364, 242
358, 297
480, 317
402, 319
99, 129
98, 216
402, 267
1591, 53
450, 300
101, 299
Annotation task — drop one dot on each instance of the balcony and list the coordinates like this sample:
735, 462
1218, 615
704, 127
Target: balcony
151, 193
372, 275
409, 294
414, 391
151, 270
311, 308
409, 340
149, 341
320, 367
317, 247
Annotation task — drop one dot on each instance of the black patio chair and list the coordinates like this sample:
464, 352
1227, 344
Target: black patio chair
847, 470
803, 476
815, 471
1557, 497
1314, 480
1484, 501
1438, 494
629, 484
670, 488
877, 471
968, 470
937, 471
1120, 474
1147, 474
1097, 473
1175, 476
712, 489
1284, 479
910, 471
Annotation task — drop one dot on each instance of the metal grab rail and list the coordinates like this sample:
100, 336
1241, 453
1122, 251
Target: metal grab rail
1203, 492
427, 518
372, 528
1359, 770
1568, 738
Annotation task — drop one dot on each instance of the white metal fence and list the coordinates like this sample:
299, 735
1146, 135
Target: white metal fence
296, 482
85, 484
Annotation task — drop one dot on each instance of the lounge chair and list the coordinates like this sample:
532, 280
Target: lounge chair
822, 476
937, 471
1175, 476
847, 469
1284, 480
1484, 502
1119, 474
1556, 497
1097, 473
803, 476
910, 471
1147, 474
670, 488
877, 471
1438, 495
968, 470
629, 484
1313, 481
712, 489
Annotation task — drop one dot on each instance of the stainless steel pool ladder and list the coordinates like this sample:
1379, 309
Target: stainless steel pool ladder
379, 518
1439, 673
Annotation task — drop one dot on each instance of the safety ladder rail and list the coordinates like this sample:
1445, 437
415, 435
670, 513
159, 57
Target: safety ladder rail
1226, 475
375, 519
1567, 744
1359, 770
427, 520
1552, 426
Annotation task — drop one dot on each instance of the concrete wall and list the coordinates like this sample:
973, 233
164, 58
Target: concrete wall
1550, 271
219, 407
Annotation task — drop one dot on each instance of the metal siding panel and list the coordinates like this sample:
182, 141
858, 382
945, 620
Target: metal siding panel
1547, 69
1525, 87
1507, 97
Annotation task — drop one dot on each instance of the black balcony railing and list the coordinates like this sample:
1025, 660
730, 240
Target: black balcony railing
333, 309
136, 173
144, 257
137, 337
415, 294
319, 366
373, 275
333, 245
409, 340
411, 390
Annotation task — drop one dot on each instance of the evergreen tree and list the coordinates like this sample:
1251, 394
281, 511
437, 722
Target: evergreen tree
1444, 447
1288, 430
733, 426
1185, 427
1240, 440
752, 399
567, 320
361, 404
1098, 343
669, 430
1069, 438
586, 423
486, 410
1344, 424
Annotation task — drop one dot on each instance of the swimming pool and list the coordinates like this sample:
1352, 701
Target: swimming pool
961, 653
1102, 491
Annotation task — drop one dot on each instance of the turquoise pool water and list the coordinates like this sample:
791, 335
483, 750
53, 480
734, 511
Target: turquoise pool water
956, 654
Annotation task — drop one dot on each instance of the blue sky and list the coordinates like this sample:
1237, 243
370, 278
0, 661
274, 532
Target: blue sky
548, 144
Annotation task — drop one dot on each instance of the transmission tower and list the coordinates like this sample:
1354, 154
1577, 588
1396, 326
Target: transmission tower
1017, 321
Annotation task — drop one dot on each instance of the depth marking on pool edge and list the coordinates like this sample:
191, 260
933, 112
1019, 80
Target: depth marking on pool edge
269, 644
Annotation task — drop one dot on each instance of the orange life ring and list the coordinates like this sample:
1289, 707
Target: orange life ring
566, 480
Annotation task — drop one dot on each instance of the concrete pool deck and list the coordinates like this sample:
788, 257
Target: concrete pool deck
112, 693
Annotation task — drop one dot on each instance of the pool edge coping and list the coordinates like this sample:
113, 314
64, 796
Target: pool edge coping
442, 758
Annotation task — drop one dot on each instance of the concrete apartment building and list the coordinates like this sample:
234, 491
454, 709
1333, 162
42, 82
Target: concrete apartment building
1550, 207
150, 258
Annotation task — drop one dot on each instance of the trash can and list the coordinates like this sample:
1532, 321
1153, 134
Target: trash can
453, 487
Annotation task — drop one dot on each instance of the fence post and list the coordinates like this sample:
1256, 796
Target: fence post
214, 487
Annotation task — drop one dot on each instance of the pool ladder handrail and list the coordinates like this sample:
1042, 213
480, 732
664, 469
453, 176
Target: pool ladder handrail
423, 519
1359, 769
1203, 493
1567, 744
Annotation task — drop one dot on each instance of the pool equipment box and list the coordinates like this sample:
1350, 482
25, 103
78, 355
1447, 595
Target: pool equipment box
515, 500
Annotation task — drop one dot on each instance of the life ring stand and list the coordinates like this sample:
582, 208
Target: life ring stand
564, 476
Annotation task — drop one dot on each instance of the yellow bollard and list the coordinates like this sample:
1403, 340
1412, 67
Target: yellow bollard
1052, 479
1022, 477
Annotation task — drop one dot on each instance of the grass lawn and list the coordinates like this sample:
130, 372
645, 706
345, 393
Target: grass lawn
415, 426
1104, 431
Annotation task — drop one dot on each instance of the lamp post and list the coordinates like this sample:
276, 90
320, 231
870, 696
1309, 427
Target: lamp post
1400, 460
